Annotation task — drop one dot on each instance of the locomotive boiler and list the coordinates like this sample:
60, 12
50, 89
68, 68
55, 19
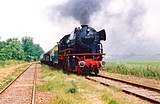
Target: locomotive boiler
84, 40
81, 51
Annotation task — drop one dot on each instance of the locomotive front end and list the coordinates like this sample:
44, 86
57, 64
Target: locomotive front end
81, 51
87, 37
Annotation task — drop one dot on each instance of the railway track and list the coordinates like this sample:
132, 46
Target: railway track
22, 89
145, 92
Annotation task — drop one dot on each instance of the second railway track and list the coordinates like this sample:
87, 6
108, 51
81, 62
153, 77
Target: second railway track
22, 89
145, 92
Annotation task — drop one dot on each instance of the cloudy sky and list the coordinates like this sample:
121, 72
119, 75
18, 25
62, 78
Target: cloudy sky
33, 18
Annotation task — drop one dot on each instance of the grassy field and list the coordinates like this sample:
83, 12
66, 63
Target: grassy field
9, 70
148, 69
73, 89
9, 63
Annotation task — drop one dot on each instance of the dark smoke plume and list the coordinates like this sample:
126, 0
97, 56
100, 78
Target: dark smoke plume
124, 26
80, 10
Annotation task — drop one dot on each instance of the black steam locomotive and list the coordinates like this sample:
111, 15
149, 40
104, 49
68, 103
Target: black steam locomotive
80, 51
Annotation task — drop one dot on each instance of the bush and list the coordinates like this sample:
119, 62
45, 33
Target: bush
72, 88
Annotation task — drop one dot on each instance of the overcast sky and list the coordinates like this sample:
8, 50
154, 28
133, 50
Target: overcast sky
20, 18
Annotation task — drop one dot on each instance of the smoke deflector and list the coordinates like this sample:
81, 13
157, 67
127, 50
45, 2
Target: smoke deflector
102, 35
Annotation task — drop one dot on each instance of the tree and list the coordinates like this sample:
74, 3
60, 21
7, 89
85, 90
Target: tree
32, 51
3, 51
38, 51
27, 46
14, 49
11, 49
20, 50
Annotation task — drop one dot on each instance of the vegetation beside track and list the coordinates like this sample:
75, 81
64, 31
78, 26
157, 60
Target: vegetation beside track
73, 89
147, 69
11, 71
9, 63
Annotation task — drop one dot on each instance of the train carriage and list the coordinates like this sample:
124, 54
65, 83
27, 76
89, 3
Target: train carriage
50, 57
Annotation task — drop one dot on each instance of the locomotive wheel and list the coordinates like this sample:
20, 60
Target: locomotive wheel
96, 71
80, 71
68, 66
65, 66
64, 69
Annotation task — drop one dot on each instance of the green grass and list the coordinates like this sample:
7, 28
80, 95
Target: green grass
2, 63
148, 69
12, 76
9, 63
7, 80
108, 100
1, 87
73, 89
113, 102
65, 90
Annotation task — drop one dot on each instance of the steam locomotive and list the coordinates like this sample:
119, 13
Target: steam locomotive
79, 52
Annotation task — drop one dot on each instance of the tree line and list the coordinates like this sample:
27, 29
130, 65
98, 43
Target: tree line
24, 49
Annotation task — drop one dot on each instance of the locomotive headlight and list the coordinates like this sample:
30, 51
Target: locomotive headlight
74, 56
103, 56
82, 63
103, 63
88, 29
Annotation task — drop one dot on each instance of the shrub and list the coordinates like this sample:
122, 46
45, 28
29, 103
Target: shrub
72, 88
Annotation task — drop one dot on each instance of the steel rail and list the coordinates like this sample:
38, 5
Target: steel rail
124, 90
34, 85
131, 83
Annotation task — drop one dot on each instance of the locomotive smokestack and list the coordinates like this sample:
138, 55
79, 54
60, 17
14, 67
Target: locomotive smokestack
84, 26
